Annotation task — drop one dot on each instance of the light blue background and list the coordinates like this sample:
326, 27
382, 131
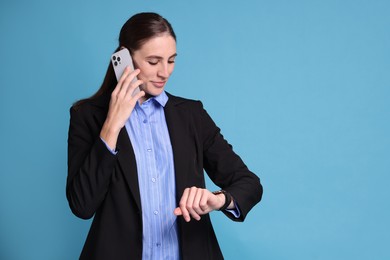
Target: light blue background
300, 88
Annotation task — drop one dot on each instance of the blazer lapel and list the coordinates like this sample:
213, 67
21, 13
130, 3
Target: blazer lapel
176, 134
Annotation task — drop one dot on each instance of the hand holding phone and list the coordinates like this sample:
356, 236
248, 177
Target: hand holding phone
120, 60
121, 106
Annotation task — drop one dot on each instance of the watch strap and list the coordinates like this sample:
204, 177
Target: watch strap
228, 198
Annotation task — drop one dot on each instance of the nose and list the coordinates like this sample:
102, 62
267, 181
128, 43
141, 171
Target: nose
163, 70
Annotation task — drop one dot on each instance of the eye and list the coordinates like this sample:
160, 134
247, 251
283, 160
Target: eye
153, 62
171, 61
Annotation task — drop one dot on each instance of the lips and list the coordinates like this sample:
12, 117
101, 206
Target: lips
158, 84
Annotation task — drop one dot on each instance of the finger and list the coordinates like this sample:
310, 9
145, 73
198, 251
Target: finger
133, 86
125, 81
139, 95
130, 77
182, 205
196, 206
121, 80
125, 73
190, 203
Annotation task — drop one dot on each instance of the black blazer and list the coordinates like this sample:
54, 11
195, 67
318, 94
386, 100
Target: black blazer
105, 186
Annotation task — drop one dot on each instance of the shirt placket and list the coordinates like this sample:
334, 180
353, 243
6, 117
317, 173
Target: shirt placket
152, 177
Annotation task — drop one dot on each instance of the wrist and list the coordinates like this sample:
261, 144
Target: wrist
111, 127
109, 135
226, 197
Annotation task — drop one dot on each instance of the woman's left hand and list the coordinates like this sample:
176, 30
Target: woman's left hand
197, 201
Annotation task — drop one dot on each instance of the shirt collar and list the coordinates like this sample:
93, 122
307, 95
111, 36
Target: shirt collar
162, 99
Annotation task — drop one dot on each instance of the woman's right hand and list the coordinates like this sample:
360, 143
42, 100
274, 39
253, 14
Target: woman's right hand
121, 105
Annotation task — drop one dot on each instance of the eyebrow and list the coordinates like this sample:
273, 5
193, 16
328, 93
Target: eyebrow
159, 57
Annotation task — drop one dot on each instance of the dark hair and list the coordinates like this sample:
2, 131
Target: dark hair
134, 33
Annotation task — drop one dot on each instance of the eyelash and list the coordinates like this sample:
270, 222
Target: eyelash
155, 63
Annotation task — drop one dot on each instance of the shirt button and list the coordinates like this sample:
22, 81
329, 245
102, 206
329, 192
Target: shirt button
153, 179
149, 150
158, 244
145, 121
155, 212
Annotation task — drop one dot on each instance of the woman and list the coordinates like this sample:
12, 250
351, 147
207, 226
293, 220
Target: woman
135, 162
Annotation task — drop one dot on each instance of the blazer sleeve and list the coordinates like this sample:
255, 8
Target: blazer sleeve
226, 169
90, 164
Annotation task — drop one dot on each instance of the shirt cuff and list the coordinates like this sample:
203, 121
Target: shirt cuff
235, 212
113, 151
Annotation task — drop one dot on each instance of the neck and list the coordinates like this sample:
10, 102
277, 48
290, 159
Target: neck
144, 98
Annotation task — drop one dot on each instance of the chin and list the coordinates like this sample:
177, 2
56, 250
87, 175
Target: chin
155, 92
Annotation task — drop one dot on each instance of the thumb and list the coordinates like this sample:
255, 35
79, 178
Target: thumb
177, 212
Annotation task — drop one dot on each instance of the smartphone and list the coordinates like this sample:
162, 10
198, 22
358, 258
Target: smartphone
120, 60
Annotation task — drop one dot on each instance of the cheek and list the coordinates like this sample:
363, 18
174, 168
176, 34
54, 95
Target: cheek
144, 74
170, 70
141, 76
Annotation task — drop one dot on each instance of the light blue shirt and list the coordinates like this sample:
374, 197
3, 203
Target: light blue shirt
149, 137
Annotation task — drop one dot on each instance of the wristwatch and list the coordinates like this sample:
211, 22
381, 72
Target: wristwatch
228, 198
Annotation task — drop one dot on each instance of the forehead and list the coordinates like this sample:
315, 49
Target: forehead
164, 45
